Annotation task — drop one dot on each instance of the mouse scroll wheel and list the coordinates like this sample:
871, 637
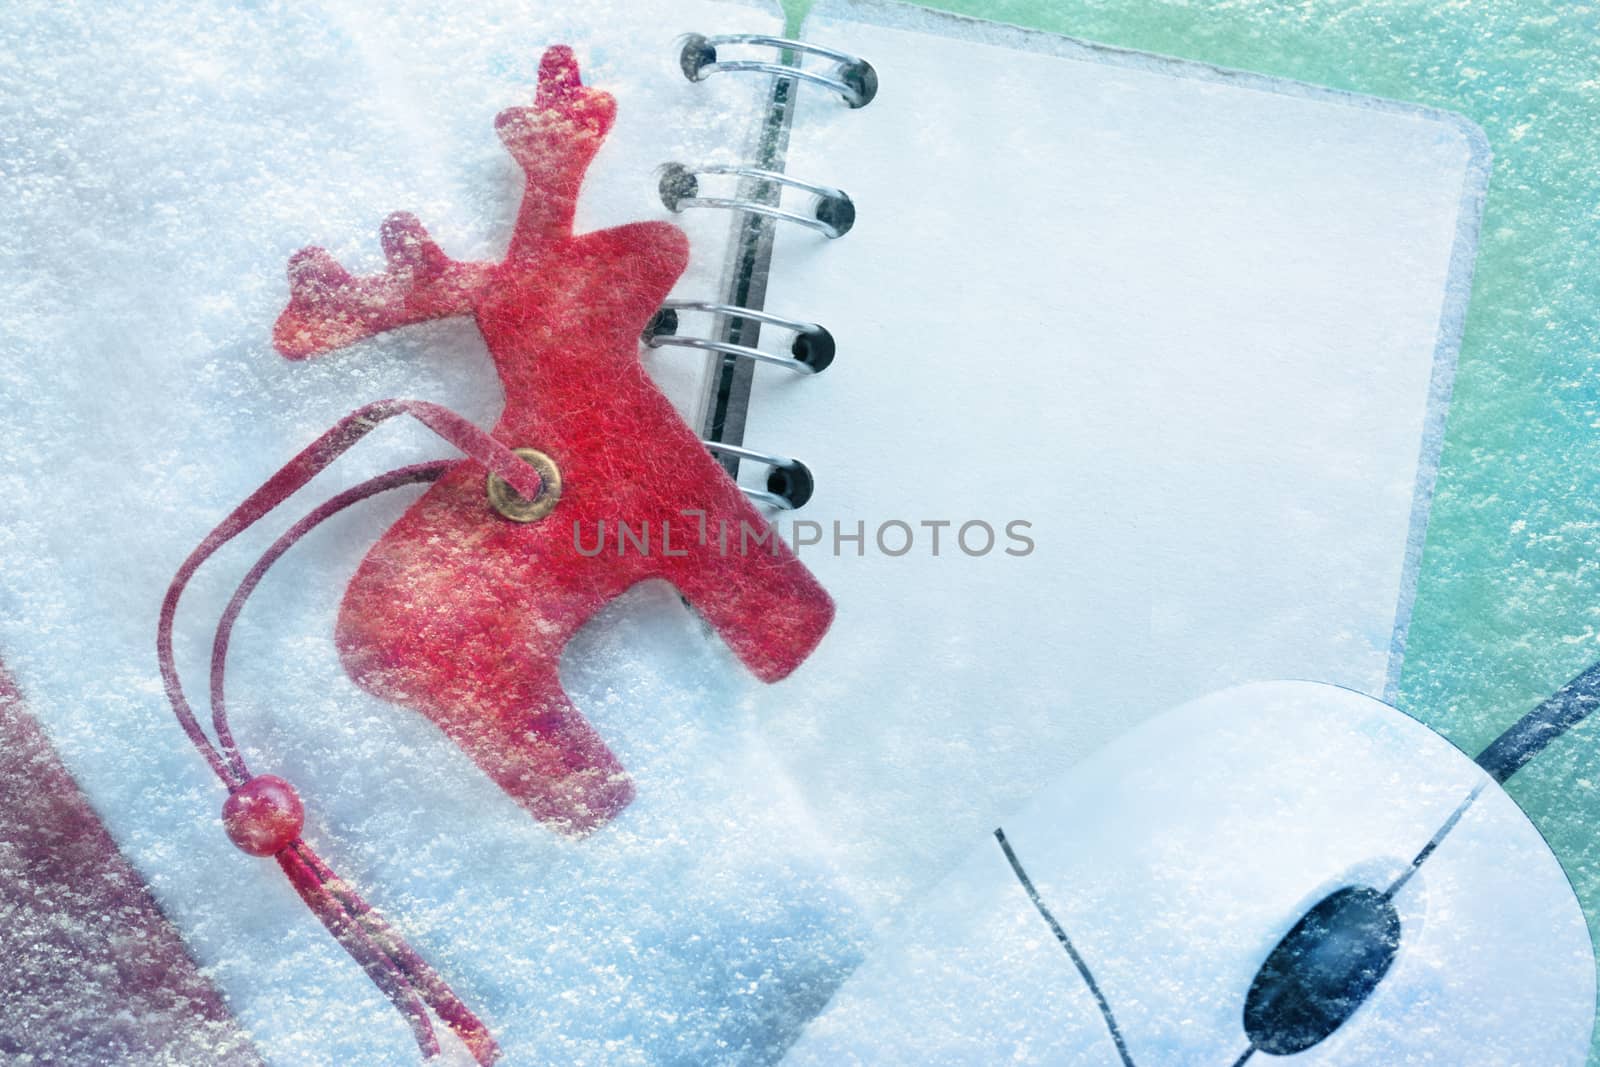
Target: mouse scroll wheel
1325, 968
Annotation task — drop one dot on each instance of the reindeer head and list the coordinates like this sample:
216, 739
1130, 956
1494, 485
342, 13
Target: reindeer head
549, 282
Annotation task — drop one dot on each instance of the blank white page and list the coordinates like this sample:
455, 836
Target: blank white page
1196, 327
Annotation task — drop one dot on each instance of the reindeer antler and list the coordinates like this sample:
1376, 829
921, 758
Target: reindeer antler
329, 308
554, 141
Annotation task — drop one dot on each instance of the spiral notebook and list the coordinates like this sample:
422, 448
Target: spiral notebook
1167, 349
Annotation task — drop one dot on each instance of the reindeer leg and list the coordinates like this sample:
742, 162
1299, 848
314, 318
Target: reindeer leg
521, 729
516, 724
763, 603
460, 649
771, 622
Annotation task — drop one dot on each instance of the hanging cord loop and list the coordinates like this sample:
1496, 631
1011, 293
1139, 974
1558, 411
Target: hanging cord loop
263, 814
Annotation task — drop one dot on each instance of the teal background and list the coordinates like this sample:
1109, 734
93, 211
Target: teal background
1508, 606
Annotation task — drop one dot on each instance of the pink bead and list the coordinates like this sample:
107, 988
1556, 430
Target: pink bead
263, 816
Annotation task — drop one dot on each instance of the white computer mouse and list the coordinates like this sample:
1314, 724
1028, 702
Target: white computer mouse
1280, 871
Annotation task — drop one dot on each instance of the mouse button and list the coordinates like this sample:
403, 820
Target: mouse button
1329, 770
1323, 970
969, 974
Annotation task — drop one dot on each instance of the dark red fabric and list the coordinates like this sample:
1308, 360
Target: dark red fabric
90, 969
462, 614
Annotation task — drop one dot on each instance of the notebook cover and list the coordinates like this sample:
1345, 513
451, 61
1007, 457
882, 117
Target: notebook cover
94, 972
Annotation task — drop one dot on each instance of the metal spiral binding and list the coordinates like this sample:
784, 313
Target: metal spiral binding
811, 351
852, 78
789, 482
832, 213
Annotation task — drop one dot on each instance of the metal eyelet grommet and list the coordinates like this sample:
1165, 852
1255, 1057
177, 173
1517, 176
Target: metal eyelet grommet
512, 504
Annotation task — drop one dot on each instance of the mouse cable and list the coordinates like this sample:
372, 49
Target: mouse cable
1531, 734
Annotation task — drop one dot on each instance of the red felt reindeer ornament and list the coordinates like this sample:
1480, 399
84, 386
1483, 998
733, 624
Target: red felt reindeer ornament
462, 608
462, 614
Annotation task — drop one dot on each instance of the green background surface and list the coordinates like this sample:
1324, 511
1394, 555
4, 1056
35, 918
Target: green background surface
1508, 606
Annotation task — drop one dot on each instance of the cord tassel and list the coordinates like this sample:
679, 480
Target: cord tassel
263, 815
421, 977
348, 932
